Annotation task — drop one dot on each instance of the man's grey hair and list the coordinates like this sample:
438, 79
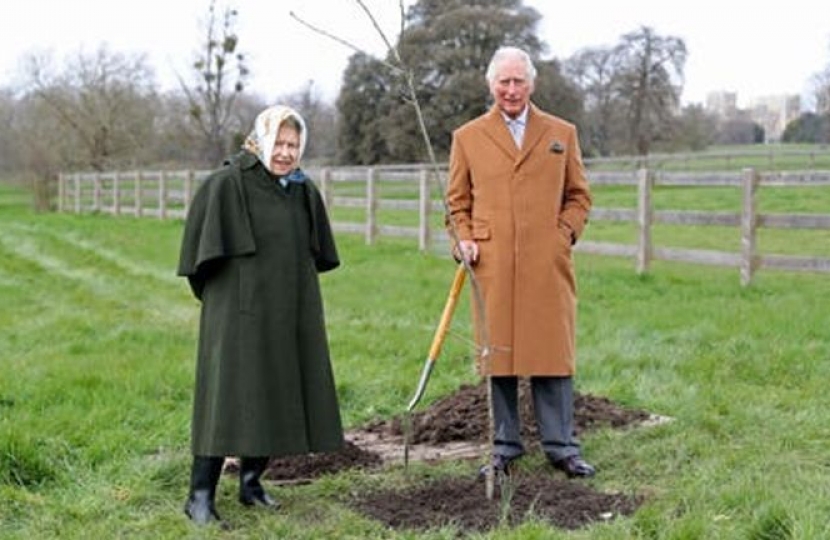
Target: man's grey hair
510, 53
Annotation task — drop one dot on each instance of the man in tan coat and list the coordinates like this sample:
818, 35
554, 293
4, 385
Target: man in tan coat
518, 200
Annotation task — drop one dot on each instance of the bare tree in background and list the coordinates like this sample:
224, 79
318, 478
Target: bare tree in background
95, 112
41, 149
220, 74
649, 84
594, 71
103, 103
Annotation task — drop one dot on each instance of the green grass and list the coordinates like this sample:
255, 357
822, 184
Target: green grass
96, 371
765, 157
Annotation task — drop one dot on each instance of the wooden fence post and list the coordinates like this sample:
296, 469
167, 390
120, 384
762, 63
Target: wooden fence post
116, 194
139, 194
77, 193
645, 181
61, 191
162, 194
96, 192
325, 187
371, 206
424, 207
749, 224
188, 190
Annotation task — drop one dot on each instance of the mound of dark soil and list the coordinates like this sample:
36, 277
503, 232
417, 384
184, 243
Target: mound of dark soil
463, 416
464, 504
303, 468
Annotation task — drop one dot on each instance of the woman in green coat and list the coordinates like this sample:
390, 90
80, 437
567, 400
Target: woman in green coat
256, 237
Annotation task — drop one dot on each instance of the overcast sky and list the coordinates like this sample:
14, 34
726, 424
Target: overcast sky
733, 45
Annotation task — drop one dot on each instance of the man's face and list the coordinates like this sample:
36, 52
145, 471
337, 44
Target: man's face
511, 88
285, 152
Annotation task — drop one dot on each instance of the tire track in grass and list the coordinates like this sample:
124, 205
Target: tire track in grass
32, 309
120, 285
116, 258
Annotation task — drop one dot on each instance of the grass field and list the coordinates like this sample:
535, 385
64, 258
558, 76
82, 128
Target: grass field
765, 157
96, 371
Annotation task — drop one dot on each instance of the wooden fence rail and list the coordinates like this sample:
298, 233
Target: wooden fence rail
375, 190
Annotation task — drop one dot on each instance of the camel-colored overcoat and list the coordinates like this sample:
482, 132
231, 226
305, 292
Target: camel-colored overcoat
524, 208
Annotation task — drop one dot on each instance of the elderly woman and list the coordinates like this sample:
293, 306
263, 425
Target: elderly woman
255, 238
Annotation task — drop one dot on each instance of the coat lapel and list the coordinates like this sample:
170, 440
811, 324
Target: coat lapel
496, 129
534, 130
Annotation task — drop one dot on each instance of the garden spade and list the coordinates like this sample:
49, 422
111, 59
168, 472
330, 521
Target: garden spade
434, 351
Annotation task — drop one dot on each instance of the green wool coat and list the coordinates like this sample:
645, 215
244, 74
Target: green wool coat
251, 251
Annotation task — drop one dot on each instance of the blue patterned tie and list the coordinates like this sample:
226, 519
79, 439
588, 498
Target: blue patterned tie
517, 129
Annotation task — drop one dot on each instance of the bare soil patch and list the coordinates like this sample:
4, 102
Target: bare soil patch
463, 503
456, 427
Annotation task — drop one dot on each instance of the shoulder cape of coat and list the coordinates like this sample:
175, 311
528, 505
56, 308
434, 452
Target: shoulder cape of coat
218, 224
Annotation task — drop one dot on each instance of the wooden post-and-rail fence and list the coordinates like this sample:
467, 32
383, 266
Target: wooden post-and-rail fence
369, 195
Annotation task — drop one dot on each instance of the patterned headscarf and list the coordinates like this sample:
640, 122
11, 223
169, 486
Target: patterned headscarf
260, 141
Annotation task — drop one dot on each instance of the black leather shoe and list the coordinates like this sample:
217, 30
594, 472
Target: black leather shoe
574, 466
500, 464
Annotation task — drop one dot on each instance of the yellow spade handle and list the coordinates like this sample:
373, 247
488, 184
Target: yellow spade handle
438, 339
446, 316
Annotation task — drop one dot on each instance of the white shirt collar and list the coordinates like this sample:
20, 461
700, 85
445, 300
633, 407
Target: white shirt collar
522, 118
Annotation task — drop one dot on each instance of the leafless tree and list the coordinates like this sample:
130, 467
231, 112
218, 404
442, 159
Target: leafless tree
220, 74
39, 145
103, 103
594, 71
95, 111
649, 84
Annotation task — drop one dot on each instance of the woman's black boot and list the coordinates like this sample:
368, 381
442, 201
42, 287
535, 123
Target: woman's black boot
251, 492
200, 506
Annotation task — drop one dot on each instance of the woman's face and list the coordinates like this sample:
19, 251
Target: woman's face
285, 152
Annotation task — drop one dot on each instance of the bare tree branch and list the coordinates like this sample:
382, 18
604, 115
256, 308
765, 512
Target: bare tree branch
369, 14
355, 48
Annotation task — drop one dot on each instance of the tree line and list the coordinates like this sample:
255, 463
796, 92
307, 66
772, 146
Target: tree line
103, 111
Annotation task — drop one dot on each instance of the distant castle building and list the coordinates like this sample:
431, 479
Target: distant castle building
722, 104
773, 113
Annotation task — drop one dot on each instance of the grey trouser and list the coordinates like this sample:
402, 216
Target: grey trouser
553, 404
